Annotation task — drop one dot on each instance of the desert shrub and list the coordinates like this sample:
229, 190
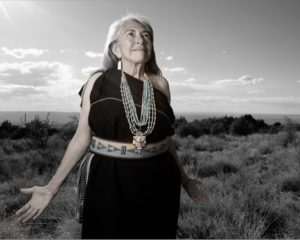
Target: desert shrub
290, 132
209, 143
180, 121
275, 128
7, 147
241, 126
246, 124
275, 222
39, 130
69, 129
11, 168
186, 130
265, 147
202, 127
217, 168
290, 184
52, 131
186, 157
253, 157
6, 129
45, 161
22, 145
56, 142
283, 139
187, 142
217, 128
8, 208
22, 132
4, 174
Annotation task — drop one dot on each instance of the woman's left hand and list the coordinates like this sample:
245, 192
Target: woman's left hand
190, 186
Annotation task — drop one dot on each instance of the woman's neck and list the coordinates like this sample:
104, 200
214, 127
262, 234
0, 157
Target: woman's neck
135, 70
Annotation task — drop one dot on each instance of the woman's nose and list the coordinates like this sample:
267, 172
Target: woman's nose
139, 38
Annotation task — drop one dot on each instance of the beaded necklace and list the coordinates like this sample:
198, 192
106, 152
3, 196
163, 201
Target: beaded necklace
148, 111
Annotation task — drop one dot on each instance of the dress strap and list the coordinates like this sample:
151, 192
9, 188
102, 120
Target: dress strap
82, 89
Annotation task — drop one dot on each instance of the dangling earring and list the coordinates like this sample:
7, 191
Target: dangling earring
119, 64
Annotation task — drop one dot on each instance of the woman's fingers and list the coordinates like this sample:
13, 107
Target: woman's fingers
30, 215
26, 190
23, 209
200, 198
38, 214
28, 212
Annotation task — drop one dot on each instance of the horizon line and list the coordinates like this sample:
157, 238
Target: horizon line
175, 112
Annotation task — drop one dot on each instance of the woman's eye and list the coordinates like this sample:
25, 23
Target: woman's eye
130, 33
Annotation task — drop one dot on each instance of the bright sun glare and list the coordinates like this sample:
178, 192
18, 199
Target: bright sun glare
4, 11
8, 8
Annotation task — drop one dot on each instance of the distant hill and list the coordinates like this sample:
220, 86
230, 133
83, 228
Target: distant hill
59, 118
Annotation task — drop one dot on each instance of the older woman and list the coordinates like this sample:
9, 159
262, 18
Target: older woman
134, 176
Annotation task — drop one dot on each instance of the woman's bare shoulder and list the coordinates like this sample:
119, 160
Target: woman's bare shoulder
94, 76
89, 85
161, 83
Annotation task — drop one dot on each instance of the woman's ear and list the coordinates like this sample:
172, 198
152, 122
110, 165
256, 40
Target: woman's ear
116, 50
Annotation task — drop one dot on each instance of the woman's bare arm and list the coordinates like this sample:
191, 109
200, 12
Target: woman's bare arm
78, 143
189, 184
164, 86
42, 196
183, 176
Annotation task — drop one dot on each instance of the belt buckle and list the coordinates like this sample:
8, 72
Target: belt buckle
139, 142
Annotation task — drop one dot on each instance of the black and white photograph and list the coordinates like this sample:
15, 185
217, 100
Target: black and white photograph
163, 119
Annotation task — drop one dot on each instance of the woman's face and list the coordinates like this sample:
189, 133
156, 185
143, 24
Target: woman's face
134, 44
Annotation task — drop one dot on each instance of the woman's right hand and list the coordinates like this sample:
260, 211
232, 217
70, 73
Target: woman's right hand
190, 186
41, 197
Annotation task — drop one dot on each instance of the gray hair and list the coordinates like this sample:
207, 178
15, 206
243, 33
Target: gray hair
110, 60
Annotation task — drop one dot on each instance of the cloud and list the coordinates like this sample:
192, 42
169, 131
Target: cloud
255, 91
22, 53
19, 90
34, 73
191, 79
175, 69
62, 51
39, 86
180, 88
298, 81
228, 100
88, 70
242, 81
169, 58
93, 54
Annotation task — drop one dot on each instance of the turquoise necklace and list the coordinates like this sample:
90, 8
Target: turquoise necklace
148, 111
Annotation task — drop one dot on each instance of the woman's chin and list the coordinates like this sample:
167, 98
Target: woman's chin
139, 61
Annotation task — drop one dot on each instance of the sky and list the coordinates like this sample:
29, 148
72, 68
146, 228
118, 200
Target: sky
238, 56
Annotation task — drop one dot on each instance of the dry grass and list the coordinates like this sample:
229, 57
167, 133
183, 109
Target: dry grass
252, 181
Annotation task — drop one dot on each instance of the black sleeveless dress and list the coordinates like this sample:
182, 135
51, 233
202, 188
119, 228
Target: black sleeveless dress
129, 198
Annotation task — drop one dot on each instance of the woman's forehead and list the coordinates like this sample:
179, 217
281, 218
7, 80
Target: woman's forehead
131, 24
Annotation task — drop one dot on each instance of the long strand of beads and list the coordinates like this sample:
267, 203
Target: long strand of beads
129, 102
148, 111
132, 120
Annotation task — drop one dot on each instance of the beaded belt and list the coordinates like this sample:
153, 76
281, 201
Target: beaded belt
126, 150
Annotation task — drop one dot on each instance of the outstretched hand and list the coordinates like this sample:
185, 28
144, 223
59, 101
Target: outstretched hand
41, 197
190, 186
